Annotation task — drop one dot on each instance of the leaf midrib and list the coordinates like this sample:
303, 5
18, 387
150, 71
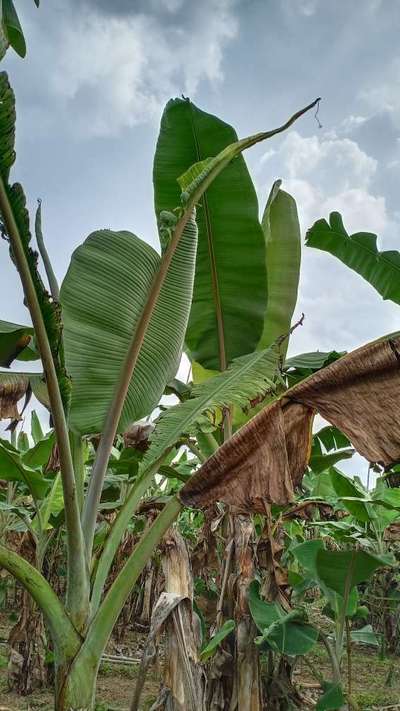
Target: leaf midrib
214, 272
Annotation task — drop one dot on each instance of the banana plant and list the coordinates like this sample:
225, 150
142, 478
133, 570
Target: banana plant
31, 507
337, 574
244, 296
107, 354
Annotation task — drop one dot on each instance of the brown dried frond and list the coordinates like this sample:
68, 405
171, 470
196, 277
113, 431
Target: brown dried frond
266, 459
10, 393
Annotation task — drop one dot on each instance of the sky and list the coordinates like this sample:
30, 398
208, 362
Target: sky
92, 88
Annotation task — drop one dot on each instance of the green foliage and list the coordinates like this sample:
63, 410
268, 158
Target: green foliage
342, 570
11, 30
15, 343
281, 228
17, 202
332, 698
12, 27
13, 468
212, 646
284, 632
226, 318
365, 635
100, 319
359, 252
244, 379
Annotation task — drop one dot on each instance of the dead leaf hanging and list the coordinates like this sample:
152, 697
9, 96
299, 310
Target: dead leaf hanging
266, 459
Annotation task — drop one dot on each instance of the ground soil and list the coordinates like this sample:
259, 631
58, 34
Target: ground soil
371, 690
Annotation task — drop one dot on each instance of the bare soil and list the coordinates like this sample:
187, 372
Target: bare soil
376, 683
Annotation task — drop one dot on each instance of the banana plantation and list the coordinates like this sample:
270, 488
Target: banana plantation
193, 541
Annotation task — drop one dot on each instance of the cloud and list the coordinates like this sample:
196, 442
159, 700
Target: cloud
325, 174
109, 71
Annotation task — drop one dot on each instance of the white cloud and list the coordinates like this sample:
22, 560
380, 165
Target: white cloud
325, 174
110, 72
337, 164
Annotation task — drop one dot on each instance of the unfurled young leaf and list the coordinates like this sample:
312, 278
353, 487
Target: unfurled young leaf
281, 229
36, 428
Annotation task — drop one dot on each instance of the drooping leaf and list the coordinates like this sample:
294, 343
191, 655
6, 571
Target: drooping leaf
13, 28
365, 635
359, 252
103, 296
281, 229
226, 319
359, 394
15, 343
216, 640
312, 361
12, 389
20, 384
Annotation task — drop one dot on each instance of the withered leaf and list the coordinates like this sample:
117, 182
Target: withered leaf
266, 459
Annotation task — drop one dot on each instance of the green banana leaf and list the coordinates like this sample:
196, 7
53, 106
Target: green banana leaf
212, 646
287, 633
342, 570
16, 343
332, 698
230, 288
360, 253
242, 381
12, 27
103, 296
281, 228
12, 468
112, 282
